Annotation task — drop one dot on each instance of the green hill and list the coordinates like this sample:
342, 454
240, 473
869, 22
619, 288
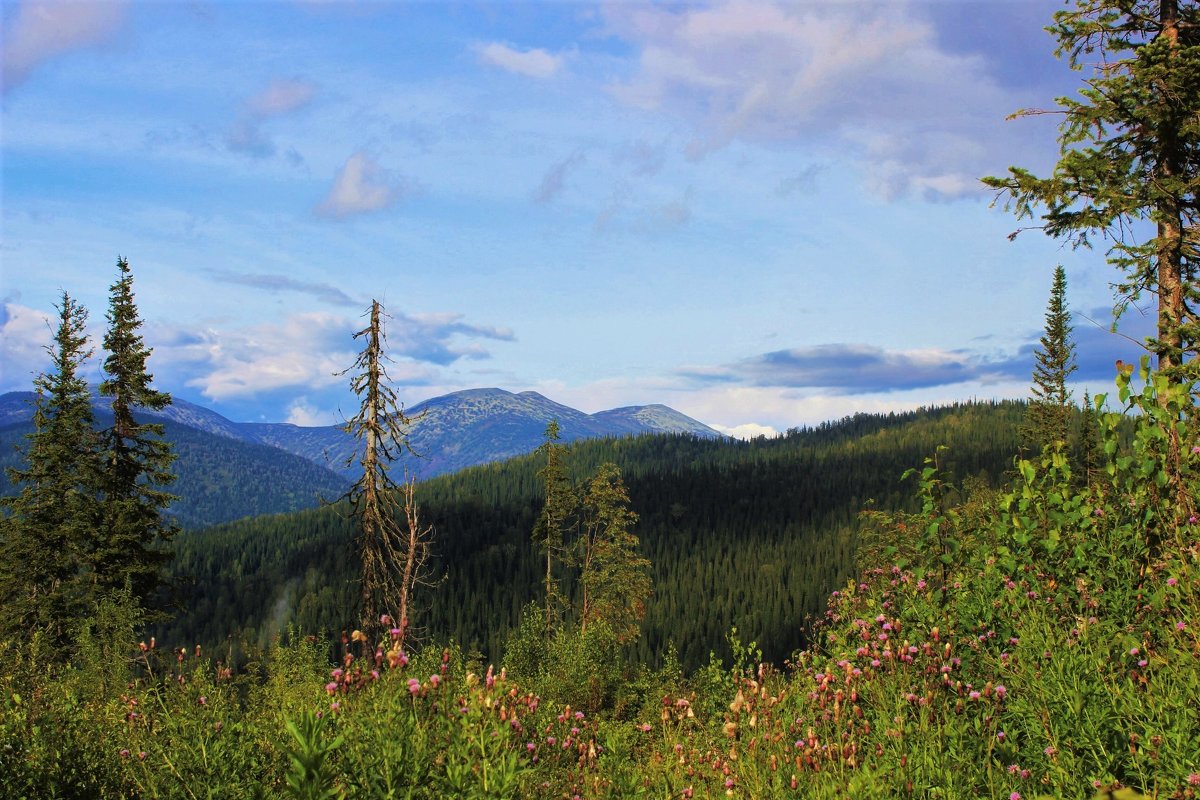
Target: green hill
748, 534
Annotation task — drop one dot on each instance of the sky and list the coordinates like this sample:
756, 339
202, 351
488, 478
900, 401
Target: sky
763, 214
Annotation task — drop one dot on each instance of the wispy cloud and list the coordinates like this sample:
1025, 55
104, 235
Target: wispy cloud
325, 292
554, 181
41, 30
279, 97
362, 186
868, 80
533, 63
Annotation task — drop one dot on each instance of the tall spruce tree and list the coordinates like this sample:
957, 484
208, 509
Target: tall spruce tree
1048, 420
549, 532
128, 549
55, 514
388, 553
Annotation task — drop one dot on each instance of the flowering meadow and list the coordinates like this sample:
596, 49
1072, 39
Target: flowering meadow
1041, 640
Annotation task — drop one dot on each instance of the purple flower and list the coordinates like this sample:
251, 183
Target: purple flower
1001, 690
331, 687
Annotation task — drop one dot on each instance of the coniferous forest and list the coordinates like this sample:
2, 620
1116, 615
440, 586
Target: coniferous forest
982, 600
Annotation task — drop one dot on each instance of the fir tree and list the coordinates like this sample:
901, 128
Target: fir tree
136, 459
386, 551
56, 512
1048, 419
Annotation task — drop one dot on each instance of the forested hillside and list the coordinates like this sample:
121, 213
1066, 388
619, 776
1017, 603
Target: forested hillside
747, 534
218, 479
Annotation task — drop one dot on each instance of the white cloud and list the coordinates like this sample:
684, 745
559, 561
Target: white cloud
43, 29
24, 335
281, 96
361, 186
534, 63
828, 75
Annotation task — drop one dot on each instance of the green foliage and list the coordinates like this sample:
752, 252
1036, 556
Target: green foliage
310, 775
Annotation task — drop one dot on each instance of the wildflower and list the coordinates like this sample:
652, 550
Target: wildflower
1172, 581
974, 695
203, 700
1001, 736
1001, 690
530, 746
1133, 651
434, 680
334, 707
384, 619
414, 685
1181, 625
141, 755
1015, 796
124, 753
331, 687
1193, 779
1050, 750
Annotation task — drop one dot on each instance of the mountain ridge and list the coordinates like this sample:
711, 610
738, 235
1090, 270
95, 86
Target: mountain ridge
450, 432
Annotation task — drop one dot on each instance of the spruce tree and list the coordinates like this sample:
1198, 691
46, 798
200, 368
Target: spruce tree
388, 554
55, 514
128, 550
1048, 419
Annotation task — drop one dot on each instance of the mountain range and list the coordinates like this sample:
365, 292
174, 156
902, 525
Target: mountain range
449, 433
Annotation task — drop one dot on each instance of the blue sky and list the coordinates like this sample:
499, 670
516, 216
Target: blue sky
762, 214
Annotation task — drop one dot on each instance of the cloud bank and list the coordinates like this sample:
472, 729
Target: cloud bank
534, 63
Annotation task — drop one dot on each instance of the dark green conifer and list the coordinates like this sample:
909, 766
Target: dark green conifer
136, 459
549, 531
1048, 420
56, 513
